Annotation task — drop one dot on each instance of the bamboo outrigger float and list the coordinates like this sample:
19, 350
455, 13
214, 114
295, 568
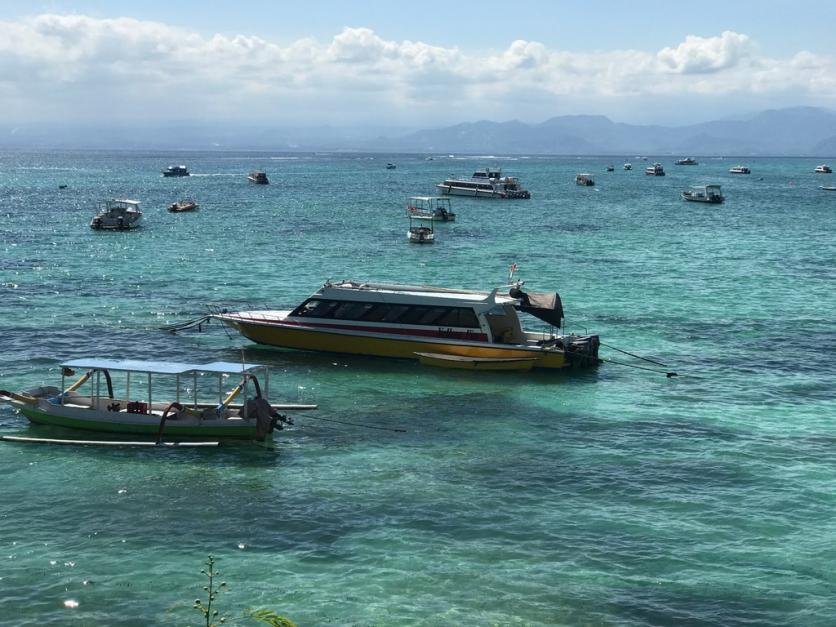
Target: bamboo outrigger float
185, 414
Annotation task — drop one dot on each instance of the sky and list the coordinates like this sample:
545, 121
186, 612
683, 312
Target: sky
409, 64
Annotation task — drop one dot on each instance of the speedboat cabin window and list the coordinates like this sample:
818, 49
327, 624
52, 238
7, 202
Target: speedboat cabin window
419, 315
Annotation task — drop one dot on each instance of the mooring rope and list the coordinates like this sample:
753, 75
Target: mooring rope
188, 324
356, 424
621, 363
652, 361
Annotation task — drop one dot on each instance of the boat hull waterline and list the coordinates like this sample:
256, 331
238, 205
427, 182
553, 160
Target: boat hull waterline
46, 413
378, 345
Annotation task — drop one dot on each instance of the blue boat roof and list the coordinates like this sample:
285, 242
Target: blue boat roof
161, 367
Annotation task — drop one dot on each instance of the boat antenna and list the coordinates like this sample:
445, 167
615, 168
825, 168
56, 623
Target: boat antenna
511, 270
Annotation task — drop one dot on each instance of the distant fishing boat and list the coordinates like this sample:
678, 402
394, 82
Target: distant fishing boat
655, 170
258, 177
391, 166
704, 193
419, 231
430, 207
686, 161
182, 206
585, 180
176, 170
610, 168
117, 214
136, 408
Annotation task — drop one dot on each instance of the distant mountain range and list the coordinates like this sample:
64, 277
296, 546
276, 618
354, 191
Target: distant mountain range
802, 131
797, 131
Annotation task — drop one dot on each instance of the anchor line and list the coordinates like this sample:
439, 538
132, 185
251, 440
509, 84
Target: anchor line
621, 363
652, 361
356, 424
188, 324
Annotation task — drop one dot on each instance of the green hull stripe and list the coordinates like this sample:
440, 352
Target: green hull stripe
171, 428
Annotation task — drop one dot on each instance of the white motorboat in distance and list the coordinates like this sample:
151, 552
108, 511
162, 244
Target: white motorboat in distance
739, 169
823, 169
704, 193
655, 170
117, 214
430, 207
485, 183
585, 180
628, 166
403, 321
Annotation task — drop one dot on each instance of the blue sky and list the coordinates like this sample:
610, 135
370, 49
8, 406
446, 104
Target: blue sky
412, 64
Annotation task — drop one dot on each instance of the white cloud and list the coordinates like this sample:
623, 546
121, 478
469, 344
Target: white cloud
706, 54
79, 67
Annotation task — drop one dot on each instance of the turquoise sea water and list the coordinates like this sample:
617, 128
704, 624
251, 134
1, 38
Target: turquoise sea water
616, 496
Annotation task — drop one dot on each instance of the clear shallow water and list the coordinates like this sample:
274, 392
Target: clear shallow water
616, 496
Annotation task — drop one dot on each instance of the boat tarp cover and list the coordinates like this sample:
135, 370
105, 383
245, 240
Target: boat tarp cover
543, 305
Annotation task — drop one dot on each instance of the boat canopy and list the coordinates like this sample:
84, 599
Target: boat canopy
543, 305
160, 367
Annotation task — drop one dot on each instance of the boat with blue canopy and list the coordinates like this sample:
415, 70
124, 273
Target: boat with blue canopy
126, 397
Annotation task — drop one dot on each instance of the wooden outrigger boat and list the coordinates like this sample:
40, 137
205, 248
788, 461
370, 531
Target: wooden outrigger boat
107, 409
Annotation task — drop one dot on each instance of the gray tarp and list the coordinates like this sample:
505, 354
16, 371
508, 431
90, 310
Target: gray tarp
543, 305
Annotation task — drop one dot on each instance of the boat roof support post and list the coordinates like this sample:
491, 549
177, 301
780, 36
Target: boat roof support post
128, 386
194, 389
61, 396
246, 383
266, 385
177, 385
95, 397
149, 391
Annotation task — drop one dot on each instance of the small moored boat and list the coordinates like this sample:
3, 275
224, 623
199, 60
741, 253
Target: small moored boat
585, 180
828, 188
686, 161
176, 170
485, 183
183, 205
704, 193
739, 169
628, 166
133, 405
117, 214
823, 169
419, 231
391, 166
655, 170
430, 207
258, 177
435, 324
610, 168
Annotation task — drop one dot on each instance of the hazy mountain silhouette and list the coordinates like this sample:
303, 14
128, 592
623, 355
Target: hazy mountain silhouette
806, 131
794, 131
